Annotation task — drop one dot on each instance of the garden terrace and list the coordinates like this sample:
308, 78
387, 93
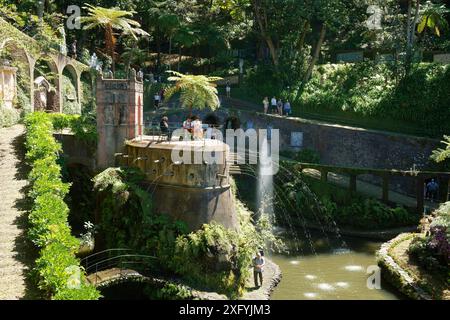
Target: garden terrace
34, 55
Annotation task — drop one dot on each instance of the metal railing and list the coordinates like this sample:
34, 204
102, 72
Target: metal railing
118, 258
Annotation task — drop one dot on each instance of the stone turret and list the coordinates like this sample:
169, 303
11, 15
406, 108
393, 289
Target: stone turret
119, 116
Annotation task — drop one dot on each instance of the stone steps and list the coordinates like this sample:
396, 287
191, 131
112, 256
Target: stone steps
12, 270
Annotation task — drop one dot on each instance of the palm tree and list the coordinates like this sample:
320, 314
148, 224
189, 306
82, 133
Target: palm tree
433, 18
110, 20
195, 90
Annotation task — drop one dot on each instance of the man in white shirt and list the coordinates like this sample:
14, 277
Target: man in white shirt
273, 105
258, 268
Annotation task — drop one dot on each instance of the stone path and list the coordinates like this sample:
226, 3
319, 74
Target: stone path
13, 244
272, 276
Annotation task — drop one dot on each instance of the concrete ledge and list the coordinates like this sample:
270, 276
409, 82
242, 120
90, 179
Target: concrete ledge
384, 234
395, 274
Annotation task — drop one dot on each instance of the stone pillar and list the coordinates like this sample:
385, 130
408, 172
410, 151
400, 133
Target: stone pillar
119, 116
59, 97
8, 85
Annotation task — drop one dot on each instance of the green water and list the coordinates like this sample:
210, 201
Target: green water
330, 274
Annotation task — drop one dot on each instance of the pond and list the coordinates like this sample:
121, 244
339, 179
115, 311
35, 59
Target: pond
331, 274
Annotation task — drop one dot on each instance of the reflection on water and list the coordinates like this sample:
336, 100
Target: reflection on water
332, 274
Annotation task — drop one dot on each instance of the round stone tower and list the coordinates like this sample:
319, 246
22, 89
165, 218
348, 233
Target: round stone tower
188, 180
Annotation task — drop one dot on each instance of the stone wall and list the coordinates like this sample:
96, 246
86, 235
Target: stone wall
343, 146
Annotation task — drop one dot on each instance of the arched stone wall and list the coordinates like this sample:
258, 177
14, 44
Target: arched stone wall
17, 40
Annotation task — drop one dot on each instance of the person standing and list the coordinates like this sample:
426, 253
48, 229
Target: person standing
280, 107
187, 126
258, 269
157, 100
161, 95
287, 108
433, 188
164, 125
197, 128
266, 105
228, 89
273, 105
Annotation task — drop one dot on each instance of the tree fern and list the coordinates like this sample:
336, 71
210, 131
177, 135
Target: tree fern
441, 155
197, 91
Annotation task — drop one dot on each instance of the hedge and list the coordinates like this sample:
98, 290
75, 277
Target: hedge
58, 271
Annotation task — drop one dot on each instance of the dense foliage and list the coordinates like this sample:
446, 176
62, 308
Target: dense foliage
57, 269
432, 250
317, 202
213, 257
372, 90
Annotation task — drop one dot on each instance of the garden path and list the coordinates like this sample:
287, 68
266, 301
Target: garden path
14, 248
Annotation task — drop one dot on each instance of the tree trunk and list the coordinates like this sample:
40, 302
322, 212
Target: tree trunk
261, 19
302, 38
110, 46
315, 57
158, 49
416, 17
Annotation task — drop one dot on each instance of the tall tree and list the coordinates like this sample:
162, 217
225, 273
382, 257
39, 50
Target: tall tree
110, 20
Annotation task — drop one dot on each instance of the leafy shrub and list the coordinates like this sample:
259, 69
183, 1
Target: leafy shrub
8, 117
69, 94
213, 257
370, 89
57, 269
433, 250
323, 203
305, 155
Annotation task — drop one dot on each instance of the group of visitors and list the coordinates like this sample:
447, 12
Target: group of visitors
277, 106
193, 127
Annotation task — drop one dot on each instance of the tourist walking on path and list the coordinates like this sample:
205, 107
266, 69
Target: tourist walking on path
266, 104
287, 108
273, 105
258, 269
280, 107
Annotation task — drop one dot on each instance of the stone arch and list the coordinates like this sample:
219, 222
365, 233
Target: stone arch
73, 75
47, 67
25, 63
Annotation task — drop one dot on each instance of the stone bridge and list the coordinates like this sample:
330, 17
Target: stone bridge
30, 54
